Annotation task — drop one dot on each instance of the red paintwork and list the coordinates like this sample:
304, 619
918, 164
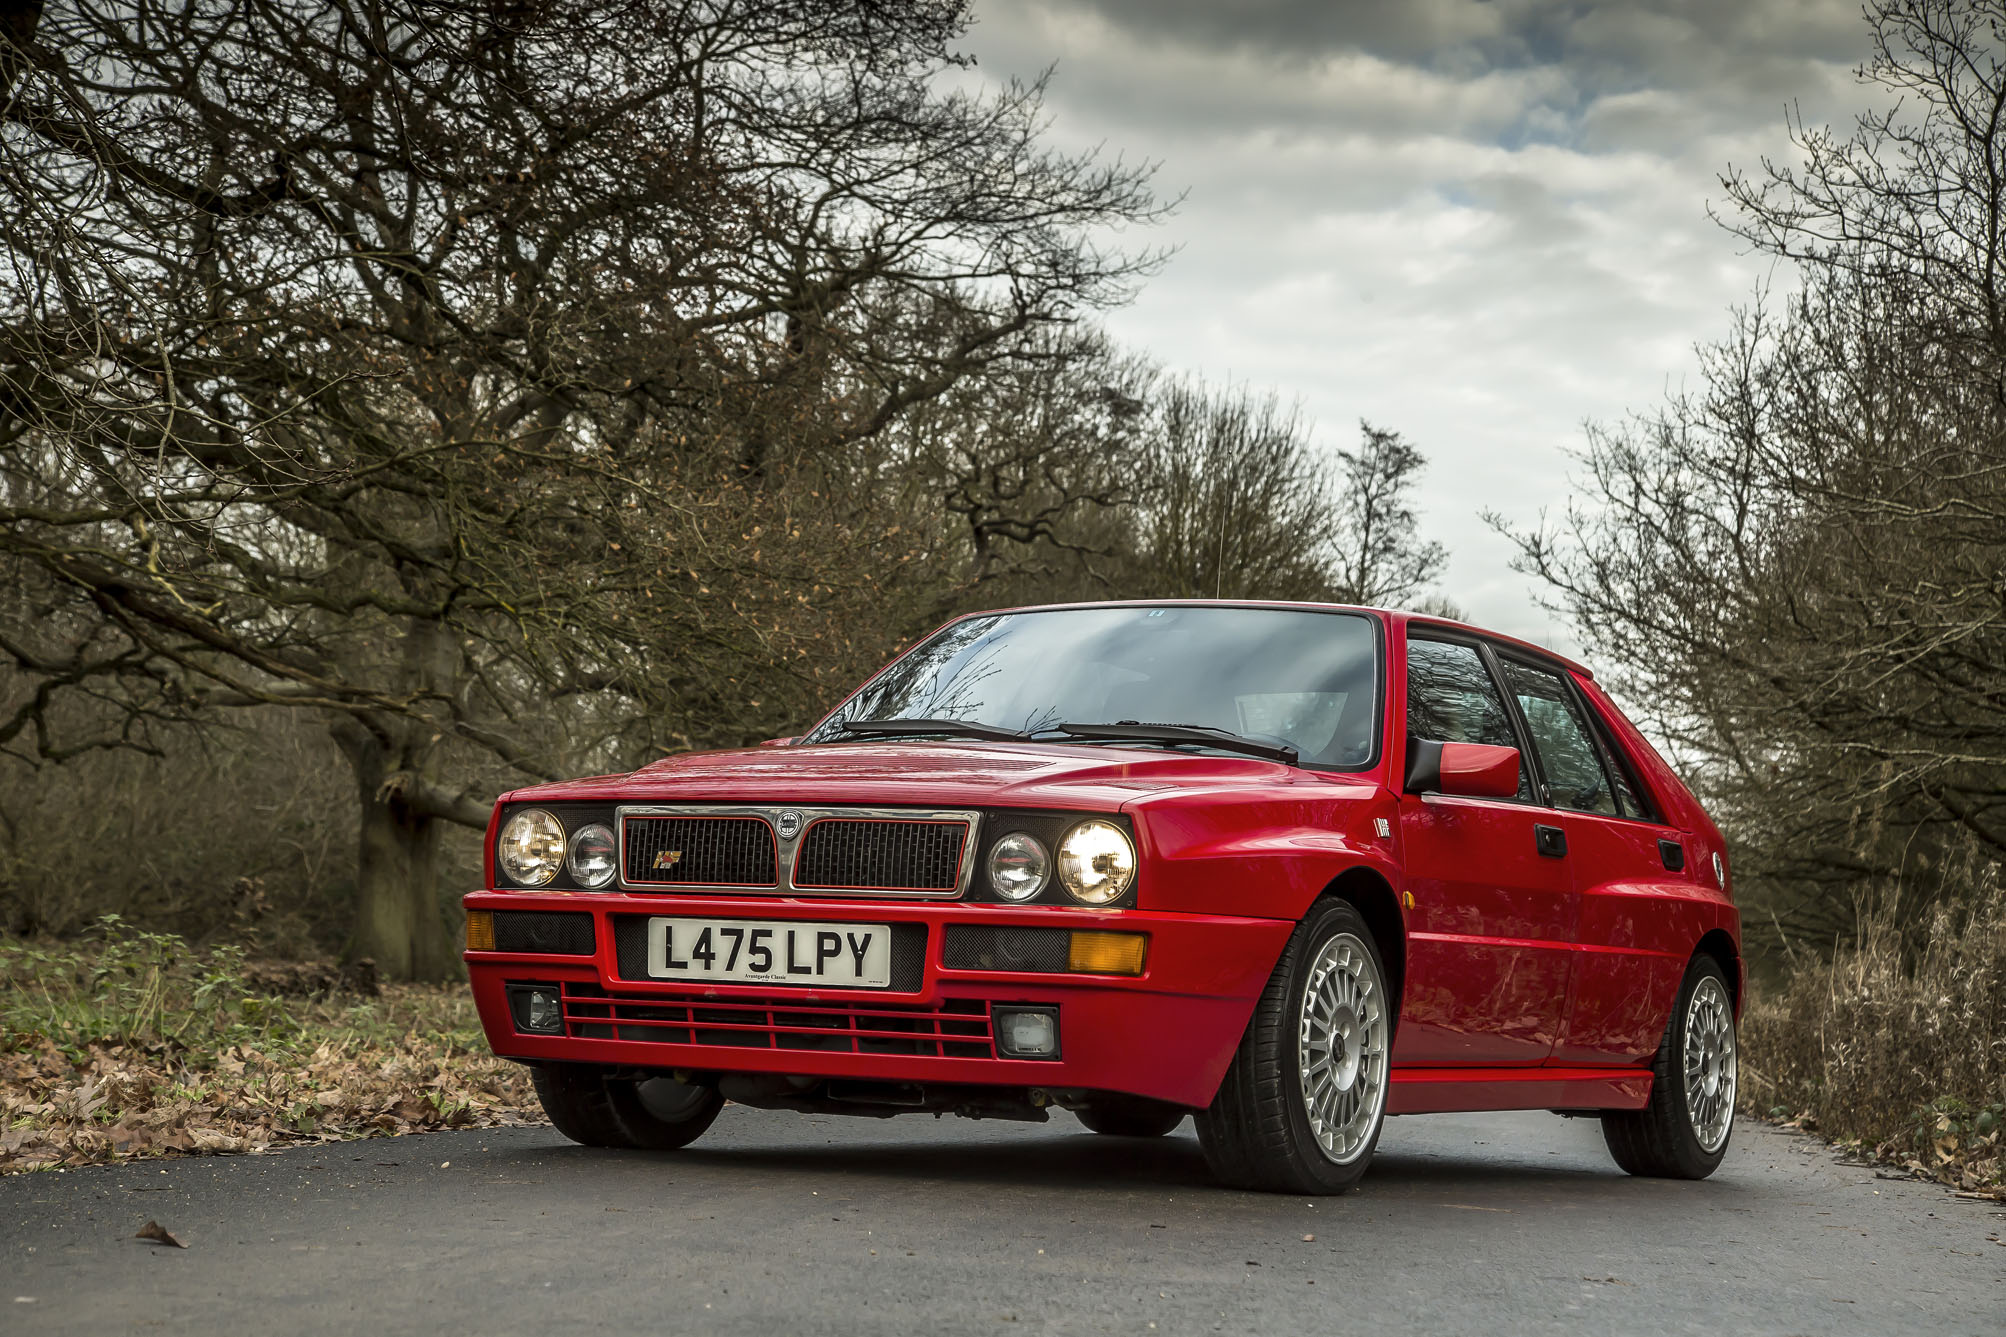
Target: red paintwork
1477, 770
1530, 981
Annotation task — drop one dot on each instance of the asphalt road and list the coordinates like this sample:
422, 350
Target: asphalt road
779, 1223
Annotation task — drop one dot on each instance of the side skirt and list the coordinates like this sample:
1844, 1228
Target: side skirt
1446, 1090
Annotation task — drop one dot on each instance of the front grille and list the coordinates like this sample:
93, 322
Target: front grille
879, 855
630, 953
956, 1028
700, 852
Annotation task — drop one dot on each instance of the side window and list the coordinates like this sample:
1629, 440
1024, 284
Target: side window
1630, 801
1451, 698
1563, 738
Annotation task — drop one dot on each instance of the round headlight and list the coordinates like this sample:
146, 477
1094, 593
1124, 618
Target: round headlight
1096, 862
594, 856
531, 848
1018, 867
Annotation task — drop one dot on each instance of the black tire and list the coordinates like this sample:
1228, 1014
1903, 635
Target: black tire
597, 1111
1256, 1134
663, 1114
1131, 1116
1660, 1141
576, 1099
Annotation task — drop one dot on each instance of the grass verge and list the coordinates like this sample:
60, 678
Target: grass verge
1895, 1048
128, 1044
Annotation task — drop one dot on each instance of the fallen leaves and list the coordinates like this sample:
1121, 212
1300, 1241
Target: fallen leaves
341, 1079
156, 1233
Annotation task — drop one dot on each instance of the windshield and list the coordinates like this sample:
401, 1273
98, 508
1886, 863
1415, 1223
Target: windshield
1306, 679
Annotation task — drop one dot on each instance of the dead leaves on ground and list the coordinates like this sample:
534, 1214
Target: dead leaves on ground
119, 1102
156, 1233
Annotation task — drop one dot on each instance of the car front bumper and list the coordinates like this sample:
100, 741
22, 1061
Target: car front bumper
1167, 1033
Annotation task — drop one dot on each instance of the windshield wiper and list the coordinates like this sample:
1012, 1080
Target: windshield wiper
914, 728
1138, 732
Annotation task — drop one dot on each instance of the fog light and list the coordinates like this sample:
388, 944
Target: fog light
480, 930
1028, 1032
1099, 953
538, 1008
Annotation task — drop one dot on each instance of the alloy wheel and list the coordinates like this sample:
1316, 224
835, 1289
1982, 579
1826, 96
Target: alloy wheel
1710, 1063
1341, 1048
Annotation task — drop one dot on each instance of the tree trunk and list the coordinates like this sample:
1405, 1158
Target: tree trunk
398, 921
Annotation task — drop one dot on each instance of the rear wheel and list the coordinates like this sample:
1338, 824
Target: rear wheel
1131, 1116
1302, 1104
1683, 1132
661, 1113
657, 1113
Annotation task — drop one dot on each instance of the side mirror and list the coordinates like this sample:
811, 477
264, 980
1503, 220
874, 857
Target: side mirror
780, 742
1473, 770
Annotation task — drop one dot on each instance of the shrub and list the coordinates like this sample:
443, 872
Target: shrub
1897, 1044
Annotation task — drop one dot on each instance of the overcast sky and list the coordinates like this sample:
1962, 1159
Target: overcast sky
1479, 222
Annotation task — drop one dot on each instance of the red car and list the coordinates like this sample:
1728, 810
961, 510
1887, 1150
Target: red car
1290, 868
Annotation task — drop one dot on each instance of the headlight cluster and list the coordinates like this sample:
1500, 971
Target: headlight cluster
533, 848
1095, 864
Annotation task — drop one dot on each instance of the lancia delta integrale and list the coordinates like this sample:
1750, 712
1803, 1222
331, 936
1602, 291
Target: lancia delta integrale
1287, 869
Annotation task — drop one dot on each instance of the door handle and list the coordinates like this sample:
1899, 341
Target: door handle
1552, 841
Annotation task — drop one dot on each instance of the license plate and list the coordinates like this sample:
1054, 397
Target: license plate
757, 951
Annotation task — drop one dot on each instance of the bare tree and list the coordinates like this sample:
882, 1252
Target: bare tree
1240, 503
1799, 567
497, 381
1380, 557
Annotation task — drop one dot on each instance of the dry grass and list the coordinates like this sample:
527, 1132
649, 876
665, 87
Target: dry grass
1896, 1046
131, 1044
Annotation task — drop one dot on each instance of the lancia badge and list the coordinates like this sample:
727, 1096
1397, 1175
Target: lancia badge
788, 824
667, 858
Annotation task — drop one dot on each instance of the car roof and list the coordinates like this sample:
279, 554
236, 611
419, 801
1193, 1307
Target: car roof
1391, 615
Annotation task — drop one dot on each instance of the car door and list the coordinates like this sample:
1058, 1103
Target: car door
1629, 872
1490, 919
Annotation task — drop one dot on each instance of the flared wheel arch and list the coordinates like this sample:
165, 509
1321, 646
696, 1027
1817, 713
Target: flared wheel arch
1379, 906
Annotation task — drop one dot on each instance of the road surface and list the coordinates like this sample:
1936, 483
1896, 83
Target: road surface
800, 1225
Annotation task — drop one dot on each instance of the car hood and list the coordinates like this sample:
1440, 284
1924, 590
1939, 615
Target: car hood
949, 774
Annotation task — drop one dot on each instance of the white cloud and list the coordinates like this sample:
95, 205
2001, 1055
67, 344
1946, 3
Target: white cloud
1478, 222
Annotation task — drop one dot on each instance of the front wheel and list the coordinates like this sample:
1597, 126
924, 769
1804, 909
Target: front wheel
1683, 1132
654, 1114
1302, 1104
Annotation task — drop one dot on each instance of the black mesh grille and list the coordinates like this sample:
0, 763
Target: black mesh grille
700, 851
557, 932
630, 950
979, 947
867, 853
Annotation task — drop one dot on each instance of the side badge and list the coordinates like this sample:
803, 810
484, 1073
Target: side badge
1383, 827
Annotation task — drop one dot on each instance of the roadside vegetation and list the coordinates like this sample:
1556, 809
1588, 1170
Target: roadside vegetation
124, 1043
1894, 1046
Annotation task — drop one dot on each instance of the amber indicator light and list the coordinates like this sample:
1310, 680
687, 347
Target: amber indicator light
1099, 953
480, 930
